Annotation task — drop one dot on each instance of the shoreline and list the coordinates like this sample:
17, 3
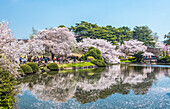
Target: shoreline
146, 63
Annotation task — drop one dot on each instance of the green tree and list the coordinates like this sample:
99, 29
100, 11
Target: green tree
96, 53
109, 33
144, 34
167, 39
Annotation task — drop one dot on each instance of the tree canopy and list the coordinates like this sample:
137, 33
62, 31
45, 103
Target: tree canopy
113, 34
144, 34
93, 31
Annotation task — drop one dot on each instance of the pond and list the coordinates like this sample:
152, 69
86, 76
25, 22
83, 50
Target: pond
117, 86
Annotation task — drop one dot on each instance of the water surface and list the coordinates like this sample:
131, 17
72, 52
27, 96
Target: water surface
118, 86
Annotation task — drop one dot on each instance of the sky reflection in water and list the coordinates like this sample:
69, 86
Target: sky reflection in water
114, 87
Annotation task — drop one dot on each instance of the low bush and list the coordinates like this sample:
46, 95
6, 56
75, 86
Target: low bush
52, 66
164, 60
26, 68
99, 63
34, 66
96, 53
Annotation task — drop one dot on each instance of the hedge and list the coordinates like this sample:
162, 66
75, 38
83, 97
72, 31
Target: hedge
99, 63
34, 66
26, 68
52, 66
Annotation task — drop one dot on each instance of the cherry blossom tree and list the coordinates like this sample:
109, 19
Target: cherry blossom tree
58, 41
164, 47
11, 49
159, 48
132, 46
107, 49
159, 44
8, 49
31, 47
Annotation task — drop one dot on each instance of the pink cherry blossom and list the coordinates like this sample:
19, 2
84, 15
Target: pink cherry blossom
107, 49
57, 40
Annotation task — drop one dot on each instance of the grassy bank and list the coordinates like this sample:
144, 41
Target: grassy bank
125, 61
79, 64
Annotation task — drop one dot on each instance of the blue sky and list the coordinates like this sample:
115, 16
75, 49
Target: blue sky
40, 14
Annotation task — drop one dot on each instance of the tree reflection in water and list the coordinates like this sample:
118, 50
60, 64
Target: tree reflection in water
91, 84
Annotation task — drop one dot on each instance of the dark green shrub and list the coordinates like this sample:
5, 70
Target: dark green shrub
34, 66
52, 66
26, 68
165, 60
92, 52
99, 63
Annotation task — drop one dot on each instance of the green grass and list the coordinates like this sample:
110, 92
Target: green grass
79, 64
125, 61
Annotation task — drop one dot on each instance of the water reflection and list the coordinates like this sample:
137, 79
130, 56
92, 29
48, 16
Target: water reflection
92, 84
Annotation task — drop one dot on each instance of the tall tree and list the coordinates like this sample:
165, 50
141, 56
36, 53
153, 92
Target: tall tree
144, 34
9, 48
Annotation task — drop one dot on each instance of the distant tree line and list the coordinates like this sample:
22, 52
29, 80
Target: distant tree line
112, 34
88, 30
